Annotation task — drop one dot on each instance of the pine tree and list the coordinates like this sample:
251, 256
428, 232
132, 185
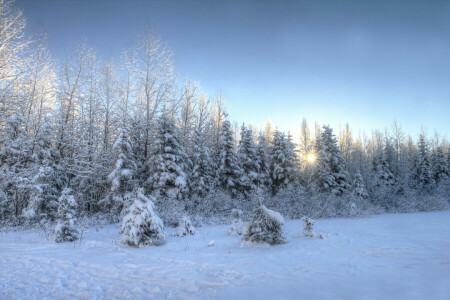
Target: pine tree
248, 161
265, 226
141, 225
169, 164
202, 178
122, 177
283, 169
359, 188
229, 172
49, 178
64, 230
330, 174
423, 167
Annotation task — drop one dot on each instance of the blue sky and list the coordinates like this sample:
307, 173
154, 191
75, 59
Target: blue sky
362, 62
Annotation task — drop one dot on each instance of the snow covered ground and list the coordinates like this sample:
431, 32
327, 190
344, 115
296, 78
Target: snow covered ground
394, 256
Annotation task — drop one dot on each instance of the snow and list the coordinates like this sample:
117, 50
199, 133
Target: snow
275, 216
392, 256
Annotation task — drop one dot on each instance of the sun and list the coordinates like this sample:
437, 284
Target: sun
311, 158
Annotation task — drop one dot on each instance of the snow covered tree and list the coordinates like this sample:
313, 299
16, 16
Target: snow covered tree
263, 163
202, 177
283, 169
122, 177
169, 164
15, 170
64, 229
382, 176
440, 168
236, 227
141, 225
308, 229
265, 226
229, 173
248, 161
423, 167
185, 227
330, 174
49, 178
359, 188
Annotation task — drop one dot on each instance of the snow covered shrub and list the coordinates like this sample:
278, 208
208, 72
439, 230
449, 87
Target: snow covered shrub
265, 227
141, 226
308, 230
236, 225
64, 230
185, 227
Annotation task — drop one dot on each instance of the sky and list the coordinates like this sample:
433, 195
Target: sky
365, 63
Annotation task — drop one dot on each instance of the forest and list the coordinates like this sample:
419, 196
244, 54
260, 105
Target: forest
88, 136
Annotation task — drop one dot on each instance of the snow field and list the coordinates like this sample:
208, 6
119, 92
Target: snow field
392, 256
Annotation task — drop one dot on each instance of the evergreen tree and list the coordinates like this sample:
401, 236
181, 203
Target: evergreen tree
359, 188
283, 169
49, 178
141, 225
382, 176
330, 174
229, 172
248, 161
122, 177
185, 227
423, 167
169, 164
15, 171
64, 230
440, 168
265, 226
263, 162
202, 180
236, 225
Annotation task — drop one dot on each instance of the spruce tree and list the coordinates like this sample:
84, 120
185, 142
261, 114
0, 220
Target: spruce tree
265, 226
330, 174
169, 164
141, 225
228, 172
49, 178
424, 175
64, 230
236, 227
440, 167
15, 170
248, 161
359, 188
202, 177
382, 175
263, 163
122, 176
283, 169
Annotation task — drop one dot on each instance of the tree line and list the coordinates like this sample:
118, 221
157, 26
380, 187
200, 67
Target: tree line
107, 130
